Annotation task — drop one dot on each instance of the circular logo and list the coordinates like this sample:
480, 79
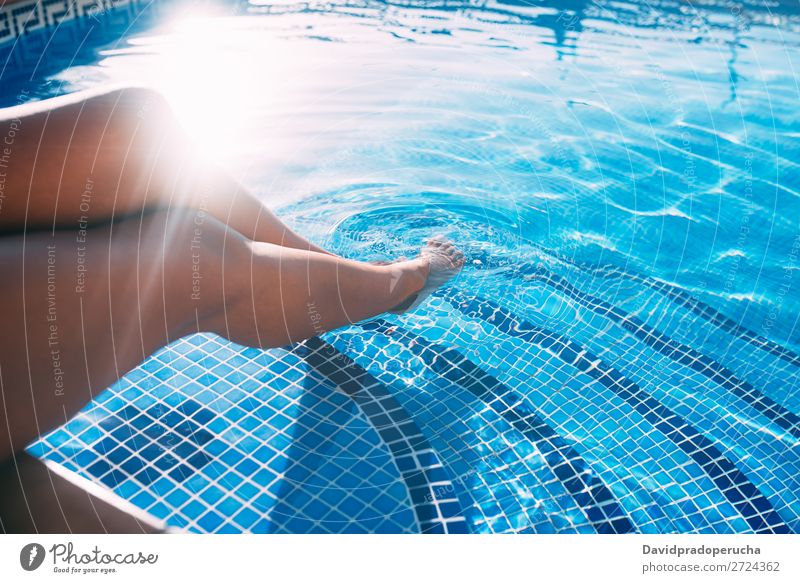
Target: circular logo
31, 556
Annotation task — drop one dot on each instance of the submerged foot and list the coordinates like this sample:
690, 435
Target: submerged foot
443, 261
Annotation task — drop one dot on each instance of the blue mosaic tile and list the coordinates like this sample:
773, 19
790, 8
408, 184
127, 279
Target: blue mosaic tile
471, 416
755, 508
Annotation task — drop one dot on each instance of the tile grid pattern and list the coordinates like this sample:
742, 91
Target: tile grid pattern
196, 436
20, 18
734, 485
497, 471
590, 494
185, 427
676, 295
659, 486
676, 351
428, 482
491, 505
762, 450
700, 308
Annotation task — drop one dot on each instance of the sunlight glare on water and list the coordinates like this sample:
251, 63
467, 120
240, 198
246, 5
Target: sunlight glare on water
657, 135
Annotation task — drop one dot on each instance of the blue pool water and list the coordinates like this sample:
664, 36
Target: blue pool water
621, 352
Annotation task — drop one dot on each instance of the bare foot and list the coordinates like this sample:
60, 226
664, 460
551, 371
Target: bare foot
442, 261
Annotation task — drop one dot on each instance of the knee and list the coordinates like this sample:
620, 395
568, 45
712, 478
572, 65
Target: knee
139, 102
148, 104
142, 116
215, 280
254, 299
186, 263
193, 241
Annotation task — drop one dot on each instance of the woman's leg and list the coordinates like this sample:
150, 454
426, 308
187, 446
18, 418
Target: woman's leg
38, 497
82, 308
91, 157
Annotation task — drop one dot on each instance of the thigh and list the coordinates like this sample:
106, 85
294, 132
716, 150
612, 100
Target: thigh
81, 308
40, 498
82, 157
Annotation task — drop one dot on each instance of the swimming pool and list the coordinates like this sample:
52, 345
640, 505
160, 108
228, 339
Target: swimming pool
621, 353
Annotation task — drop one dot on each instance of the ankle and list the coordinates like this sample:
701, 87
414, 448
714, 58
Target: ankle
408, 277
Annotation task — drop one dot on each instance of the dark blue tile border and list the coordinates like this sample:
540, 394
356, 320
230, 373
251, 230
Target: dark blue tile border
708, 313
674, 293
734, 485
427, 476
675, 350
590, 493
